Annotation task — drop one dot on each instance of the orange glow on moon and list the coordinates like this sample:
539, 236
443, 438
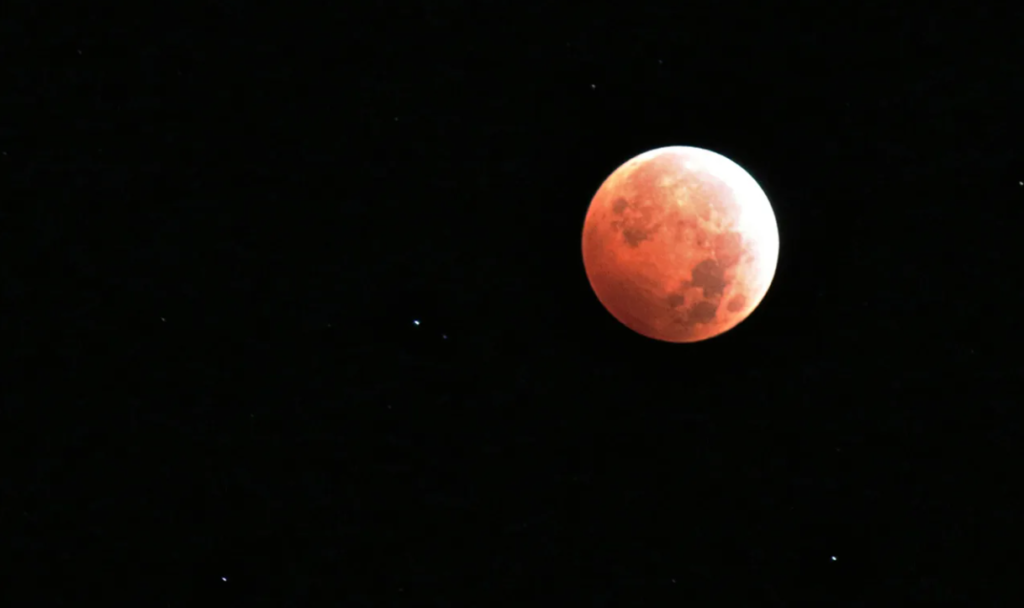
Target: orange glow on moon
680, 244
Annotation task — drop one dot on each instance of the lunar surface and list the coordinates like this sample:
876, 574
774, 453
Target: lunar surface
680, 244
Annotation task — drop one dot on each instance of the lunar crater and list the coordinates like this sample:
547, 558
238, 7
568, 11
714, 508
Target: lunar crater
636, 221
704, 312
710, 277
736, 303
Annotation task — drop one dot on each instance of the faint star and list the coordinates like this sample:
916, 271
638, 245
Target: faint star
224, 578
444, 337
79, 51
593, 86
833, 558
163, 319
415, 322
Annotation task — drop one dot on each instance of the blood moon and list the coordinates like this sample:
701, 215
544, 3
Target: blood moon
680, 244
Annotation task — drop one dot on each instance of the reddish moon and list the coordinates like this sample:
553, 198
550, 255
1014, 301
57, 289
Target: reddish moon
680, 244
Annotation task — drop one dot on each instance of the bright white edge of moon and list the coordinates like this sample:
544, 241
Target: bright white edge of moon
757, 219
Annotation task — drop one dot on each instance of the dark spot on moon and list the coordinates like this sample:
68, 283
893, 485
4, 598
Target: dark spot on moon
634, 236
675, 300
736, 303
709, 276
637, 220
703, 312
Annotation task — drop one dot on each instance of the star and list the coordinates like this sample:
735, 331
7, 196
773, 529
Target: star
415, 322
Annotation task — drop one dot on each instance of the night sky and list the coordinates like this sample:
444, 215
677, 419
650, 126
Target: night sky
293, 310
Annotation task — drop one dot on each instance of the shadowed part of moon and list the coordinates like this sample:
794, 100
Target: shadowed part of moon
709, 276
634, 237
711, 191
736, 303
728, 249
636, 220
675, 300
703, 312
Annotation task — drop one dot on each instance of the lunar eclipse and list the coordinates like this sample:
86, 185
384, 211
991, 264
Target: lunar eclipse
680, 244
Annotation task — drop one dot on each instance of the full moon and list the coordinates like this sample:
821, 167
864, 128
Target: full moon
680, 244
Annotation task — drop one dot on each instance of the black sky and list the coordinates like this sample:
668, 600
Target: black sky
293, 297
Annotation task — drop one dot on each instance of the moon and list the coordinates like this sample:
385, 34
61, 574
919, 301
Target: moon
680, 244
